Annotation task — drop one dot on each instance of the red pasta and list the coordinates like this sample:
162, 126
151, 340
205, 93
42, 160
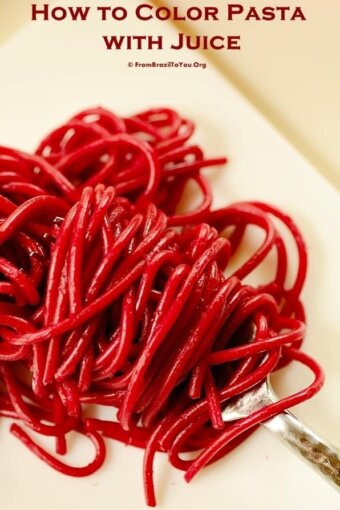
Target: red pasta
111, 296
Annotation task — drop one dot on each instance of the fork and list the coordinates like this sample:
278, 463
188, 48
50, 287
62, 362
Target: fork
317, 452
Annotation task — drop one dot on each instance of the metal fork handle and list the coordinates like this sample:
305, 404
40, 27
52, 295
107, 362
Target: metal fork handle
317, 452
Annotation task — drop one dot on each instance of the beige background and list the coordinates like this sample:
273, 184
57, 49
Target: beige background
53, 70
289, 71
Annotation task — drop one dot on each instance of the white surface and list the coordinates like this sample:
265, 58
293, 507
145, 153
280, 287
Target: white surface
49, 73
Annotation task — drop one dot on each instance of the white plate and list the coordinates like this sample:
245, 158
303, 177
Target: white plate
49, 71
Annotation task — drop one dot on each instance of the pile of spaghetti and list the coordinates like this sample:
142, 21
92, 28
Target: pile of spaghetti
109, 296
